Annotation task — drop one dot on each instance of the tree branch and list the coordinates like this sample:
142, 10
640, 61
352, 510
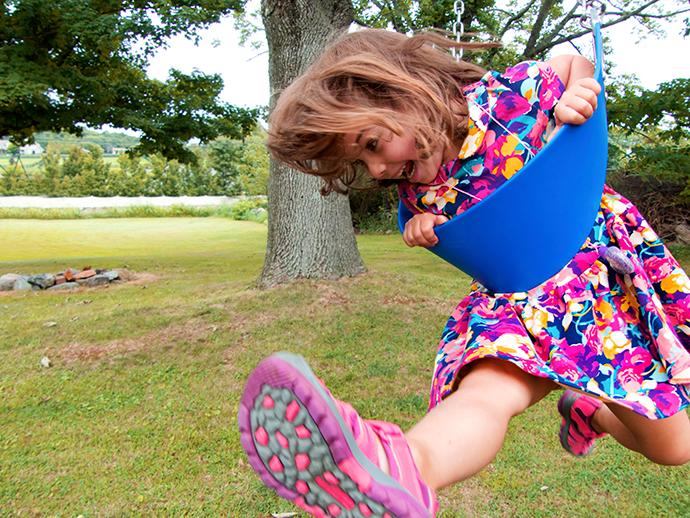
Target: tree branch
537, 27
538, 49
564, 21
516, 17
660, 16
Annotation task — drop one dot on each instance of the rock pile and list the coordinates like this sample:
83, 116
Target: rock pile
65, 280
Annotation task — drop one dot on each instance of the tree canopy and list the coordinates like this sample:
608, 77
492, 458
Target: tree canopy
528, 28
69, 63
656, 127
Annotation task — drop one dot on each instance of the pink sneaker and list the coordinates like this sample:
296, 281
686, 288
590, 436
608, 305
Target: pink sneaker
577, 434
317, 452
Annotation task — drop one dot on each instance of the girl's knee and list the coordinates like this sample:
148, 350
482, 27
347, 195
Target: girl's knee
507, 382
670, 456
675, 452
665, 441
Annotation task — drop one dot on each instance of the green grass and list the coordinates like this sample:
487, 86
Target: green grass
136, 417
117, 240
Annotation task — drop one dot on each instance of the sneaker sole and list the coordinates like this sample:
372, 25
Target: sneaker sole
297, 441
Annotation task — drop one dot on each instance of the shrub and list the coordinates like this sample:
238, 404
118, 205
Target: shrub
251, 209
374, 211
246, 209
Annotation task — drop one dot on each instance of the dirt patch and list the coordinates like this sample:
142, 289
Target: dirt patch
238, 321
192, 332
403, 300
142, 278
92, 352
463, 499
329, 295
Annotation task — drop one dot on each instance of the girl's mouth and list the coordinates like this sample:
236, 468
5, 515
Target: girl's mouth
408, 170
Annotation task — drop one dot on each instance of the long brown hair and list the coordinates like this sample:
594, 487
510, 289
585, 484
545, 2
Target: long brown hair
409, 85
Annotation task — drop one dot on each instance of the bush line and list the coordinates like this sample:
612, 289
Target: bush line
242, 210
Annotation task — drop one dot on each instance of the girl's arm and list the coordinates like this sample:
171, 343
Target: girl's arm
580, 98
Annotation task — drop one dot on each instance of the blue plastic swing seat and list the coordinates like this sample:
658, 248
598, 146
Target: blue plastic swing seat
527, 230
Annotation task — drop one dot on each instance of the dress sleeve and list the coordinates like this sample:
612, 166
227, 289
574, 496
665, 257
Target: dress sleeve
534, 81
519, 102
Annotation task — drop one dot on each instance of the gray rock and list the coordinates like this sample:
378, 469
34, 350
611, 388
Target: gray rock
94, 280
7, 281
64, 286
43, 280
22, 283
111, 275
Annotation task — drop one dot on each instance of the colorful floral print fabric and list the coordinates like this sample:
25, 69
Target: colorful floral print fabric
623, 338
620, 334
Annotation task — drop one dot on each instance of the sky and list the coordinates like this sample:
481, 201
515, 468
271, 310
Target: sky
245, 70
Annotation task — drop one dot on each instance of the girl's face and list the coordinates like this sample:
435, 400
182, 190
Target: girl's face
387, 156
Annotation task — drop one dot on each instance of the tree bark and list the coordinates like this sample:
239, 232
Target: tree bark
309, 236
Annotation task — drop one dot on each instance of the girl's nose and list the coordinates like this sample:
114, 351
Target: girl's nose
376, 169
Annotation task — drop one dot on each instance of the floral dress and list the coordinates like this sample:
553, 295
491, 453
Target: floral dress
616, 326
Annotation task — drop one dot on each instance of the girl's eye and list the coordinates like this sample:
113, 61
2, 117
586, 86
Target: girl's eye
371, 145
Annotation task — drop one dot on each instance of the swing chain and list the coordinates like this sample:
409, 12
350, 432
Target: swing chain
590, 13
458, 27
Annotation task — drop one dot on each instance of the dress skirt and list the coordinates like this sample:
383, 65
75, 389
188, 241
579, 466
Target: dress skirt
614, 325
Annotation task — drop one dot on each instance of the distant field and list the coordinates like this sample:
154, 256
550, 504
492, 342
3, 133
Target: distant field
31, 162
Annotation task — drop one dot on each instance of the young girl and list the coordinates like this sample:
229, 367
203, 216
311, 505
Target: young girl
612, 326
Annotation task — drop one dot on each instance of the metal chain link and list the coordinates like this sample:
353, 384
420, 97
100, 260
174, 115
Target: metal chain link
458, 27
590, 14
592, 11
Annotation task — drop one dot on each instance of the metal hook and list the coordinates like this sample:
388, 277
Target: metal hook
590, 14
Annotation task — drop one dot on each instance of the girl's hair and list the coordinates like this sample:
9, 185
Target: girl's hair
410, 86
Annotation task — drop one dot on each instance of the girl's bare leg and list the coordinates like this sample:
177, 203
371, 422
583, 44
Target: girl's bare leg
664, 441
469, 426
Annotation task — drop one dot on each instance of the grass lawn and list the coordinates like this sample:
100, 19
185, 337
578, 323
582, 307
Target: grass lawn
136, 417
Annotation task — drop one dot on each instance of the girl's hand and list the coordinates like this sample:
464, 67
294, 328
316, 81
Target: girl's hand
577, 103
419, 230
580, 97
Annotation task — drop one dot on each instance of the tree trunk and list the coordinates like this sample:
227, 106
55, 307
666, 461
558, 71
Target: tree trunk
309, 236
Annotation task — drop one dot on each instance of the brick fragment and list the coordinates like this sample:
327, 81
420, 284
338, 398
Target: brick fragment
85, 274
